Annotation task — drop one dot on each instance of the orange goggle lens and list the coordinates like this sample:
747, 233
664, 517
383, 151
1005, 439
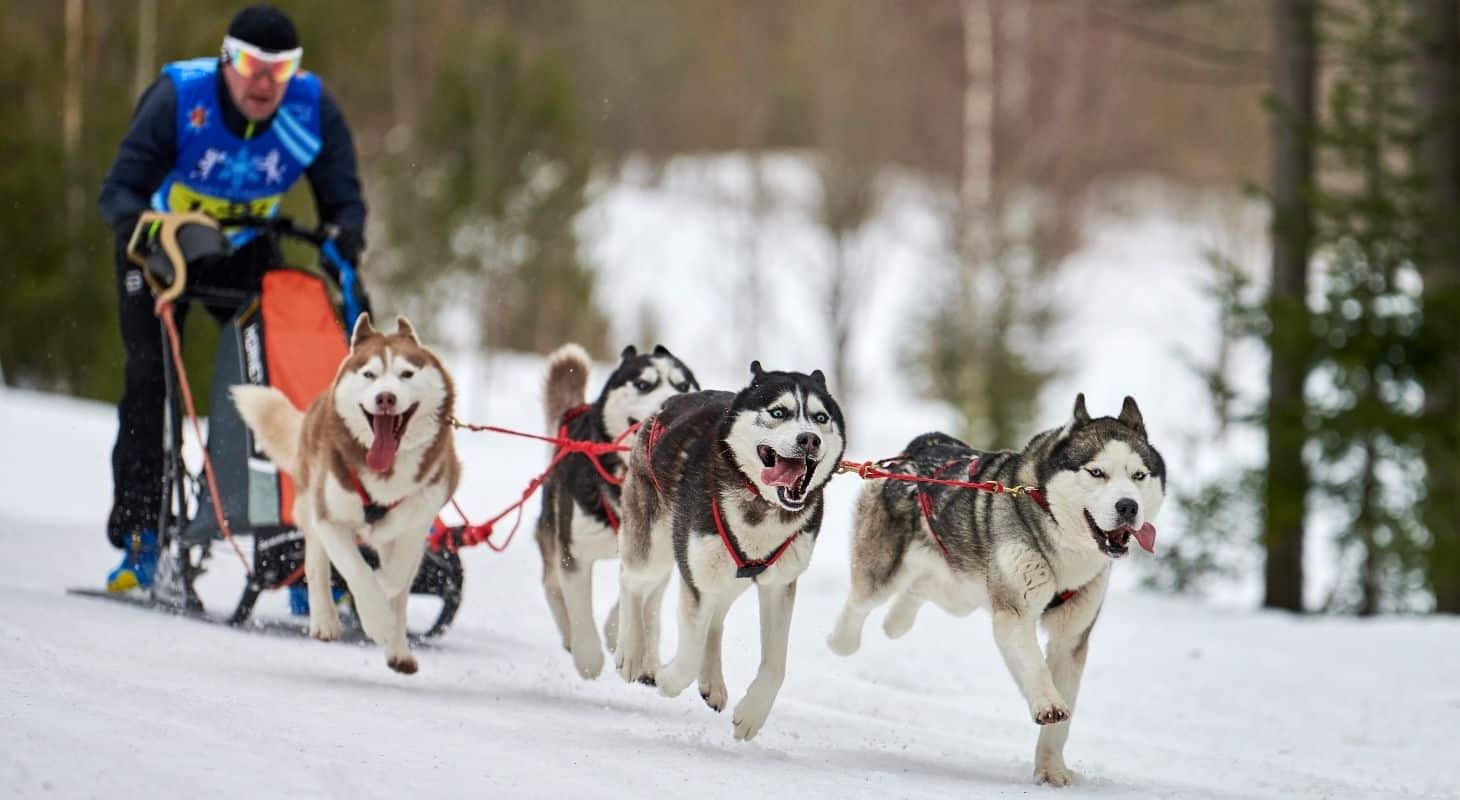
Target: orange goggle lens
250, 65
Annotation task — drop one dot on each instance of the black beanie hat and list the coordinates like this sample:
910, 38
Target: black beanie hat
264, 27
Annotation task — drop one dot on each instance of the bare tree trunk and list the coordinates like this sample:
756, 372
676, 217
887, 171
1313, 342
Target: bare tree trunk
1369, 584
1293, 73
146, 46
71, 109
1438, 93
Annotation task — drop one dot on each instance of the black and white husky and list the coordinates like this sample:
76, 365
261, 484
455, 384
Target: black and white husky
728, 487
1044, 557
579, 520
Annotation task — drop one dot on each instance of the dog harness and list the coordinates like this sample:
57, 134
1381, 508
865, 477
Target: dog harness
745, 567
374, 512
568, 416
925, 502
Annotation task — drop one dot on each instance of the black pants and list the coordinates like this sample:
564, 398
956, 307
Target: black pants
137, 456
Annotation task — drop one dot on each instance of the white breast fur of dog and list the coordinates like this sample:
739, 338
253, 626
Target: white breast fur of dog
385, 421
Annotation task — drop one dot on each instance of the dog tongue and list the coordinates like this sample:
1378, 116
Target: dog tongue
785, 473
1146, 537
382, 449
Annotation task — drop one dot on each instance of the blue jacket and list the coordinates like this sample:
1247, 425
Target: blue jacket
160, 163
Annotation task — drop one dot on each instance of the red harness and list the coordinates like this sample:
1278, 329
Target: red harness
925, 502
745, 567
374, 512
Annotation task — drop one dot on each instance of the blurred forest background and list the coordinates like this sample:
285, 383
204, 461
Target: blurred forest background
482, 129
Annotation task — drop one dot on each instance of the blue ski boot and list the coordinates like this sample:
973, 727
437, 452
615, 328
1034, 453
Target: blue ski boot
299, 598
139, 564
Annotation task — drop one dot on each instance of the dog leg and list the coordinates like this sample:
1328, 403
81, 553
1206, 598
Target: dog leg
1020, 647
903, 614
1069, 641
365, 590
650, 612
610, 628
846, 636
776, 604
324, 617
399, 562
576, 578
712, 673
694, 625
551, 588
627, 656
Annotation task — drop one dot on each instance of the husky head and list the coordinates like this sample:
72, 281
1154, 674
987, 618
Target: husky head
392, 393
641, 384
786, 434
1104, 481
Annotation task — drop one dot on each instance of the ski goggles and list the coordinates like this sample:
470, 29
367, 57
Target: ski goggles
251, 61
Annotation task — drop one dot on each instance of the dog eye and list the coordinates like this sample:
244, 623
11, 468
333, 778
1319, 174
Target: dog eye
820, 418
642, 385
1095, 472
681, 387
369, 375
407, 374
1138, 476
778, 413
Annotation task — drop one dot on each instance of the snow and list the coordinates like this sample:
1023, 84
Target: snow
1181, 698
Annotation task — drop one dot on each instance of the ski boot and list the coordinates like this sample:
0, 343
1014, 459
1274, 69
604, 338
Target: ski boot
139, 564
299, 598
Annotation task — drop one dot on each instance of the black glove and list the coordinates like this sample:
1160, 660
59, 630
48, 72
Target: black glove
350, 243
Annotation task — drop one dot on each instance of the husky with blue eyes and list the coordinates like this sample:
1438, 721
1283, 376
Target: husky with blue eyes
728, 488
580, 508
1042, 557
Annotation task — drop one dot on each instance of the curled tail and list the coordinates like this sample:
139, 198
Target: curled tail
566, 385
275, 422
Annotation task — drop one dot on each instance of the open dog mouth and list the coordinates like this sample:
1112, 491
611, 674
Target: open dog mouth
1116, 542
790, 476
387, 430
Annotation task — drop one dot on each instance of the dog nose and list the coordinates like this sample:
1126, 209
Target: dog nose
1126, 508
385, 402
808, 442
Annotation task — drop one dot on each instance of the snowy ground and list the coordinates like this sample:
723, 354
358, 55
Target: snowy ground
1180, 699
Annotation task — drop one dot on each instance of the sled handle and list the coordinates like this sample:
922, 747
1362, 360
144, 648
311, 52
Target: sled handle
167, 224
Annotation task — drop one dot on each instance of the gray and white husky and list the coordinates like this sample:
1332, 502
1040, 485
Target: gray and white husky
728, 487
579, 520
1044, 557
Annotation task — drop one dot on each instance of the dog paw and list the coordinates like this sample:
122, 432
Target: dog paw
589, 661
1054, 774
750, 716
673, 681
844, 643
899, 622
405, 665
715, 695
325, 630
1050, 713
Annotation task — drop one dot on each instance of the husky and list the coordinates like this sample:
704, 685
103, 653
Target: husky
728, 487
580, 508
1040, 557
373, 460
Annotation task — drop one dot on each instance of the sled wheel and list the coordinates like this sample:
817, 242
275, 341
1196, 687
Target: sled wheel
441, 575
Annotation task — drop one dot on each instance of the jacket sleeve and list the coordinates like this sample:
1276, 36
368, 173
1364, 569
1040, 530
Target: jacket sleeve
333, 175
144, 159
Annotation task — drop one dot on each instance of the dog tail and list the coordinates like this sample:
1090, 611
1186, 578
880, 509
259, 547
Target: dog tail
566, 385
275, 422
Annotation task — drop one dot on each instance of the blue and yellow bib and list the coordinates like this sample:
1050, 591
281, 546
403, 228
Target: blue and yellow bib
223, 175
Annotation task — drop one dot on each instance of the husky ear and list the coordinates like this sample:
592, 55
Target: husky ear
661, 350
1082, 417
363, 330
628, 353
818, 378
403, 328
756, 373
1130, 416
